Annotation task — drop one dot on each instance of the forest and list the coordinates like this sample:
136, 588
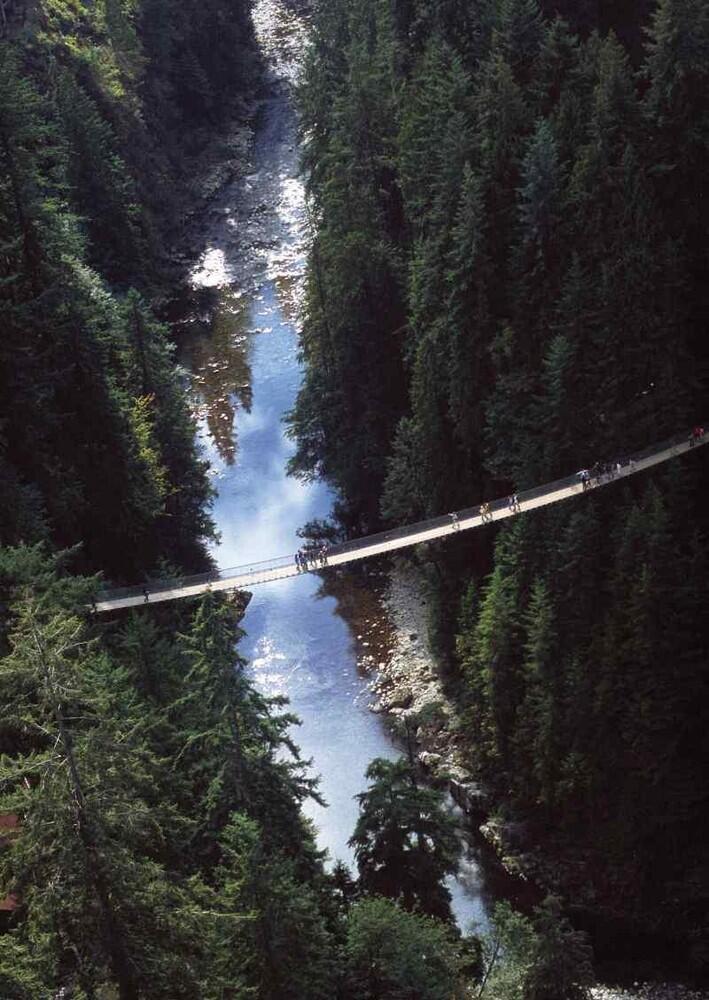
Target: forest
508, 279
152, 842
509, 283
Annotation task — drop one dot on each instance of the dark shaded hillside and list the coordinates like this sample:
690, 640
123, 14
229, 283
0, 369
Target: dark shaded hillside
152, 840
103, 107
508, 283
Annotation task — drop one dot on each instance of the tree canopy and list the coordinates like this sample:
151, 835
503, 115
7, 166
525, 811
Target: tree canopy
528, 181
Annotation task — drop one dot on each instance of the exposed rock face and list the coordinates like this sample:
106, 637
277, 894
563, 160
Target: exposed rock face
224, 160
407, 685
470, 796
646, 991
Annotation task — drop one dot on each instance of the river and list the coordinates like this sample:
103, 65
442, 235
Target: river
239, 342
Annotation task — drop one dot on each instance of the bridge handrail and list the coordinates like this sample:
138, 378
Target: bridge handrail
195, 579
213, 576
498, 504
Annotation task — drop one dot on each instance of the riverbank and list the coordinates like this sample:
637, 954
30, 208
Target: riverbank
250, 276
222, 162
407, 685
647, 991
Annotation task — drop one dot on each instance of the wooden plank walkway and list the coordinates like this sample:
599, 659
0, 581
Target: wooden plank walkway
243, 577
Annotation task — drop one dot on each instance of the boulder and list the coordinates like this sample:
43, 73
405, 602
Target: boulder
469, 795
401, 699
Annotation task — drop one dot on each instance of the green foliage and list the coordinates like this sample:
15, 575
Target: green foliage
394, 955
102, 104
534, 193
355, 264
507, 954
562, 967
518, 34
283, 947
82, 864
531, 959
102, 188
161, 850
404, 841
19, 978
82, 449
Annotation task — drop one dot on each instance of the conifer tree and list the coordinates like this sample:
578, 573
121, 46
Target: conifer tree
556, 64
280, 947
518, 33
82, 864
550, 278
392, 953
102, 189
404, 843
537, 723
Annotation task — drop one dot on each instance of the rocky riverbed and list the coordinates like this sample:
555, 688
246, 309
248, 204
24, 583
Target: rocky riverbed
407, 686
647, 991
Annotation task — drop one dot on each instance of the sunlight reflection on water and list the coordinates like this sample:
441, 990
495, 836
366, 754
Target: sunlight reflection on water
211, 271
241, 348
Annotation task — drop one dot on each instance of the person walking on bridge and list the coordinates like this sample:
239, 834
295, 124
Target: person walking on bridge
146, 595
454, 521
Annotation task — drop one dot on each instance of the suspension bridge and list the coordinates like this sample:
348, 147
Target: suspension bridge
280, 568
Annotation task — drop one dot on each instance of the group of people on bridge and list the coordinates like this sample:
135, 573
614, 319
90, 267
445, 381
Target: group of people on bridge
485, 511
602, 472
311, 557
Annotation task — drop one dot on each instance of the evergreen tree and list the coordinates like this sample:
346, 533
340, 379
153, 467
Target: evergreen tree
101, 187
539, 723
551, 238
404, 842
81, 865
280, 947
561, 968
393, 954
20, 977
518, 34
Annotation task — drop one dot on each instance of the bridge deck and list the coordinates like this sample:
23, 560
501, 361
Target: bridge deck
241, 577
